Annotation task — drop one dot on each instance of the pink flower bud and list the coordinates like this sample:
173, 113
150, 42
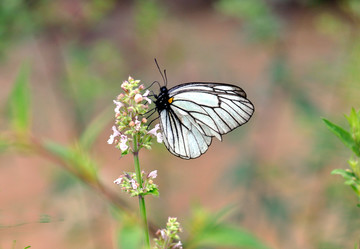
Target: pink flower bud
132, 124
144, 120
141, 87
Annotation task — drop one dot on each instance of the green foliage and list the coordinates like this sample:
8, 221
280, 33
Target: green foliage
148, 13
207, 230
260, 22
90, 73
92, 131
129, 235
15, 16
352, 140
19, 102
344, 135
77, 159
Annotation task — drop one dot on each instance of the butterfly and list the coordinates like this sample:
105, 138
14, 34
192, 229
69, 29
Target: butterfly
191, 114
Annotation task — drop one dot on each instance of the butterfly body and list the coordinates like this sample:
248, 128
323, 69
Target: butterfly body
192, 113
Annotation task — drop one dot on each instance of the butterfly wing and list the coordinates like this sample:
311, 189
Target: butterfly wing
200, 111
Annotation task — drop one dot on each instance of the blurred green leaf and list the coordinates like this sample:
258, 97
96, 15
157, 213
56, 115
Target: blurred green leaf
260, 22
129, 236
45, 218
4, 144
227, 235
93, 130
19, 102
344, 136
148, 13
76, 158
206, 229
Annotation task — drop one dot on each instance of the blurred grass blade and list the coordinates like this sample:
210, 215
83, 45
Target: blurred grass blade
89, 136
19, 102
4, 144
344, 136
227, 235
76, 158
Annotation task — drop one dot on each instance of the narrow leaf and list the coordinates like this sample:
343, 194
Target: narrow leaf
89, 136
19, 102
343, 173
344, 136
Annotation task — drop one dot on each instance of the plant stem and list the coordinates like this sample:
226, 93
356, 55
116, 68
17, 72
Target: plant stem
141, 198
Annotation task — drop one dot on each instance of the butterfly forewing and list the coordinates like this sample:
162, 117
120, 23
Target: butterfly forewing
199, 111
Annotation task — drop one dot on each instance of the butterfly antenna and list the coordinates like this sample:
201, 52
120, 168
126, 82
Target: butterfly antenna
162, 75
165, 77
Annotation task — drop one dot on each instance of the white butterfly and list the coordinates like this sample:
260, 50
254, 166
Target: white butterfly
192, 113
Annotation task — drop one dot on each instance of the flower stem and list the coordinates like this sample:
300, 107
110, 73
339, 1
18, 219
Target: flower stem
141, 197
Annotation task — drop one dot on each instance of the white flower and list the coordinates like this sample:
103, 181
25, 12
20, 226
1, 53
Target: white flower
145, 96
178, 245
153, 174
133, 184
118, 181
118, 106
163, 234
114, 135
123, 143
137, 123
138, 98
158, 135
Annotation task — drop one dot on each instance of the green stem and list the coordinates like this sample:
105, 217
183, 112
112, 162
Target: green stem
141, 198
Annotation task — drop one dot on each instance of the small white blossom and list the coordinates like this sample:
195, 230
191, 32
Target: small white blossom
133, 184
178, 245
123, 143
138, 98
163, 234
155, 132
137, 123
145, 96
118, 106
118, 181
152, 174
114, 135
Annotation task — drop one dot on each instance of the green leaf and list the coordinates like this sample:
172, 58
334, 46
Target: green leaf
58, 149
344, 136
129, 236
207, 230
344, 173
76, 158
93, 130
228, 235
154, 192
19, 102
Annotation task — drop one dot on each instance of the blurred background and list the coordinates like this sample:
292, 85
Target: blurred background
298, 61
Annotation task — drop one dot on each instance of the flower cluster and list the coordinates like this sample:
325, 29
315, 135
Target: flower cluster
130, 184
131, 105
167, 237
